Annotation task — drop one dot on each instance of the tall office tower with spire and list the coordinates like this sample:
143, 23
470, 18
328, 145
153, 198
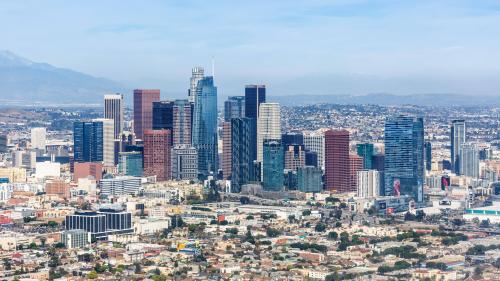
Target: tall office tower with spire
254, 96
113, 109
241, 163
268, 126
315, 141
157, 154
469, 160
234, 107
404, 157
205, 126
457, 137
143, 110
183, 118
197, 74
337, 176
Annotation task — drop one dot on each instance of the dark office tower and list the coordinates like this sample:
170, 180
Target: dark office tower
404, 157
88, 141
254, 96
428, 155
143, 110
378, 164
3, 143
163, 115
311, 158
205, 126
272, 166
226, 149
182, 122
292, 138
234, 107
337, 161
457, 137
157, 154
113, 109
355, 165
365, 151
241, 164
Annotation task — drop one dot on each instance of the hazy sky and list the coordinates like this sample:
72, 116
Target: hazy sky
295, 47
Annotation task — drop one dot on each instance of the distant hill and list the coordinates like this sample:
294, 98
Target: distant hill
26, 82
390, 99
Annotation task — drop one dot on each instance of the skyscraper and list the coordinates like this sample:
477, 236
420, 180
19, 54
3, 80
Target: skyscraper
268, 126
184, 162
368, 183
113, 109
205, 126
226, 149
88, 141
309, 179
355, 165
469, 160
108, 141
241, 162
315, 141
143, 110
428, 155
337, 175
254, 96
272, 165
197, 74
157, 154
131, 164
38, 138
234, 107
295, 156
457, 137
365, 151
292, 138
183, 119
404, 157
163, 115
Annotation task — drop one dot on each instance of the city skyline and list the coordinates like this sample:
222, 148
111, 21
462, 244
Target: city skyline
360, 46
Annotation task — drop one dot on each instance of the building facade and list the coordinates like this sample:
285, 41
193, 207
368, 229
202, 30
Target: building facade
469, 160
404, 157
241, 162
337, 176
457, 138
255, 95
131, 164
157, 154
113, 109
315, 141
38, 138
184, 162
272, 165
143, 110
183, 118
368, 184
365, 151
309, 179
123, 185
268, 126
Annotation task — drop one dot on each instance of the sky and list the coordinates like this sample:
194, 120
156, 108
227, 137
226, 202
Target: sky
310, 47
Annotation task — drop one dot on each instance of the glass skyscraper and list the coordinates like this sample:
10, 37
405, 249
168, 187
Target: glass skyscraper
365, 151
457, 137
404, 157
469, 160
234, 107
88, 141
254, 96
428, 155
131, 164
272, 165
241, 163
205, 126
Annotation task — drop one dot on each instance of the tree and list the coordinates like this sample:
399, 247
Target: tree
333, 235
478, 271
320, 227
291, 218
306, 212
92, 275
272, 232
52, 224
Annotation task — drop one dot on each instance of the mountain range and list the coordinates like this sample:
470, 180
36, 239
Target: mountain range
24, 82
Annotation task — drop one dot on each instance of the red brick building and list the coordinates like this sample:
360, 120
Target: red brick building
157, 149
337, 176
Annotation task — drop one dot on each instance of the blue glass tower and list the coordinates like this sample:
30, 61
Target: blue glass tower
131, 164
254, 96
365, 151
428, 155
273, 165
205, 126
88, 141
404, 157
241, 164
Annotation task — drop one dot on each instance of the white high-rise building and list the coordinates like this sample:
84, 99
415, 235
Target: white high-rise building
268, 126
113, 109
197, 74
108, 142
469, 160
38, 138
368, 183
315, 141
